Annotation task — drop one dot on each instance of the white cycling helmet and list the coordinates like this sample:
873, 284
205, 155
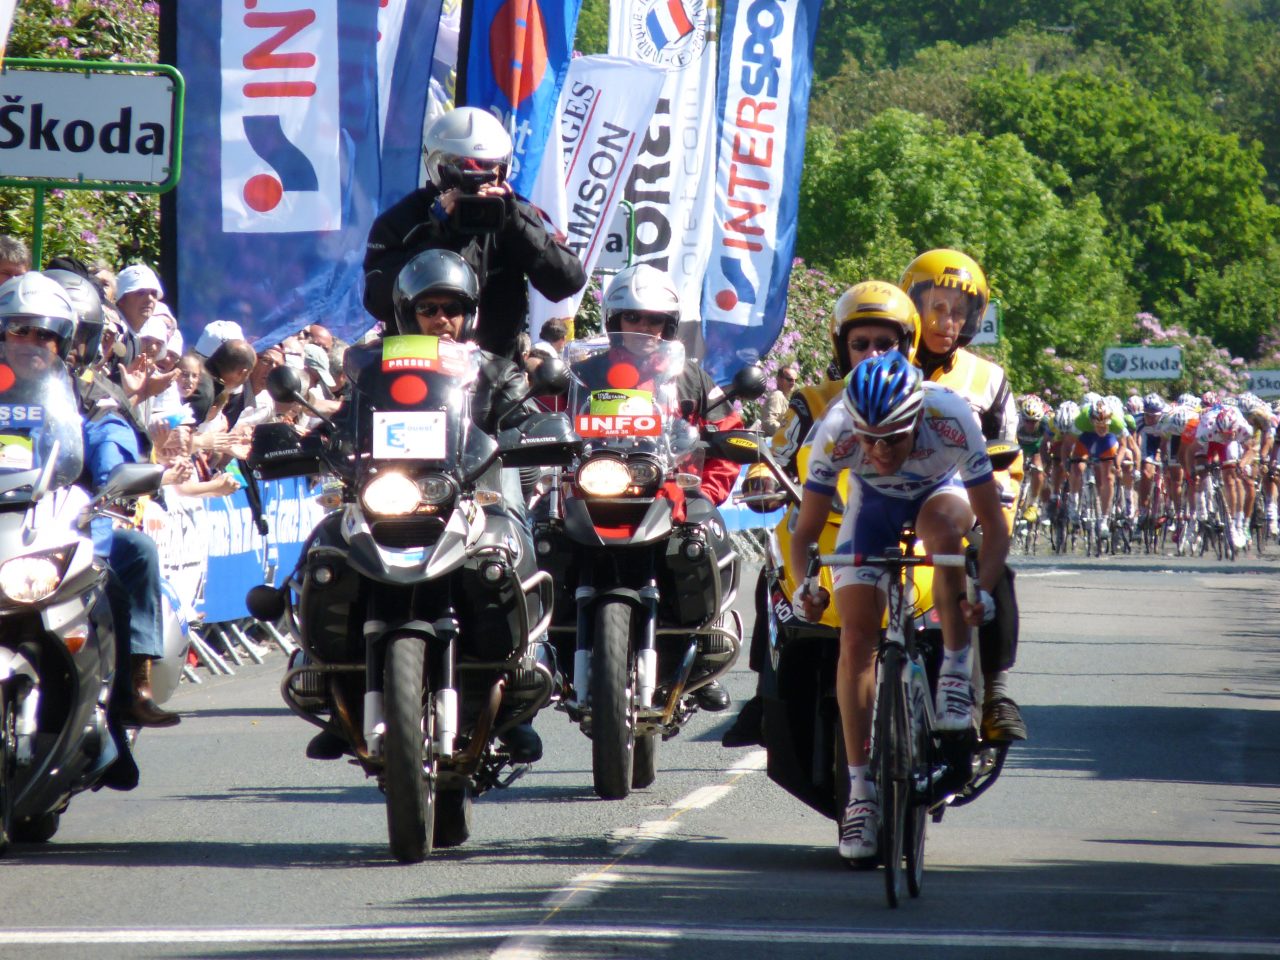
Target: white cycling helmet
1154, 403
1174, 420
1064, 421
641, 288
1133, 404
1090, 398
467, 147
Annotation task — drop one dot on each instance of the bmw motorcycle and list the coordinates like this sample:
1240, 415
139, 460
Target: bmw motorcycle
57, 642
418, 603
644, 568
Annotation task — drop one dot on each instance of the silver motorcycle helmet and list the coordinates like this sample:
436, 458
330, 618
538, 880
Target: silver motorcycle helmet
86, 342
35, 301
467, 148
438, 272
641, 288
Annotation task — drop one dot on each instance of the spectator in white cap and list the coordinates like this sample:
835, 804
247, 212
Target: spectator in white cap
215, 334
138, 291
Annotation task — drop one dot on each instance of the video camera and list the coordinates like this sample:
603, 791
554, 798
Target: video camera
474, 214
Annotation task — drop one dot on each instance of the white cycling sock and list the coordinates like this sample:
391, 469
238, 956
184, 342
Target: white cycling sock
860, 785
957, 663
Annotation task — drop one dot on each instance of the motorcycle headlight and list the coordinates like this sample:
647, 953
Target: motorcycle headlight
391, 495
604, 477
435, 490
34, 577
643, 473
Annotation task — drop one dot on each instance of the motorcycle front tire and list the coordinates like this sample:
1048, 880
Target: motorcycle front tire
8, 765
410, 789
613, 731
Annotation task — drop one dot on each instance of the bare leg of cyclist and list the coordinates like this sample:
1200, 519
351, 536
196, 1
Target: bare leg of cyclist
942, 523
1106, 485
861, 608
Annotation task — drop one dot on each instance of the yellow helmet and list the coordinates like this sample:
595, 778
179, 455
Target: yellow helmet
953, 270
874, 301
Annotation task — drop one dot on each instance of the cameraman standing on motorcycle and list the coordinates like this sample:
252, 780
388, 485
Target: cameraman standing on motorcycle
469, 207
642, 300
436, 294
888, 419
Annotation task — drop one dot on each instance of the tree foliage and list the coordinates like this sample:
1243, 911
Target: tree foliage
874, 197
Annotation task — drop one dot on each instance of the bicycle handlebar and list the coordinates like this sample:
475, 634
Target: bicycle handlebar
863, 560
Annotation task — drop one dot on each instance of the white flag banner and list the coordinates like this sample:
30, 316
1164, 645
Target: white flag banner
603, 115
390, 20
672, 185
6, 22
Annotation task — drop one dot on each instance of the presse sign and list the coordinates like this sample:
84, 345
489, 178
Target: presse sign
65, 125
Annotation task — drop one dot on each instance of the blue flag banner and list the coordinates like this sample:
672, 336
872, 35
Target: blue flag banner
281, 178
405, 94
515, 66
762, 100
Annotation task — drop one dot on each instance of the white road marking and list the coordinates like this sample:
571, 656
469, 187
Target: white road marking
703, 797
428, 933
1050, 573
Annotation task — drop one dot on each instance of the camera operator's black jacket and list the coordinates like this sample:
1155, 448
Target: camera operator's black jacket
524, 247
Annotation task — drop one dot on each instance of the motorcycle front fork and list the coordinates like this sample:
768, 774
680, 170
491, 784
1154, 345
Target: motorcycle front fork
646, 649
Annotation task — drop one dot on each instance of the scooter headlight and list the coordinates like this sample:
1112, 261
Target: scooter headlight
391, 495
32, 578
604, 477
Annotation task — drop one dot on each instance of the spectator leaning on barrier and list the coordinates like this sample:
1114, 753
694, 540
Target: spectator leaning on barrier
138, 290
555, 334
15, 258
229, 367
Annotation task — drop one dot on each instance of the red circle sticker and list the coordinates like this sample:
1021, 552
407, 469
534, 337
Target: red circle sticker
623, 376
408, 390
6, 377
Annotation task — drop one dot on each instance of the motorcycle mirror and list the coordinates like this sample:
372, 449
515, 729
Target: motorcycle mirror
284, 385
1002, 453
551, 377
749, 383
131, 480
736, 446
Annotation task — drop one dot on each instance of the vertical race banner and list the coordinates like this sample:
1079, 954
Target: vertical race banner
444, 61
516, 62
407, 31
766, 67
281, 161
670, 186
604, 113
6, 22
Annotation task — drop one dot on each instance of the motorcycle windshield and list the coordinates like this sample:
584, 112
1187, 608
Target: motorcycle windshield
412, 399
625, 393
40, 420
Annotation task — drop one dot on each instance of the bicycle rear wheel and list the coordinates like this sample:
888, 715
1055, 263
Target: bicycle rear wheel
892, 767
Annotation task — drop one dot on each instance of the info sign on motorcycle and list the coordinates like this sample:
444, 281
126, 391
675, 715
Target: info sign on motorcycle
82, 125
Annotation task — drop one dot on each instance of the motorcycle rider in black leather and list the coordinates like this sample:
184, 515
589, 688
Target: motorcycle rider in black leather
468, 154
436, 295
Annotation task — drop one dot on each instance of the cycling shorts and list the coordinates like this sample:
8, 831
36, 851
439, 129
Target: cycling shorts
1225, 453
1175, 444
1150, 448
1101, 447
873, 523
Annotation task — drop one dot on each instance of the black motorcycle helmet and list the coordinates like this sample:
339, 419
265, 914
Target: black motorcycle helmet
86, 343
439, 272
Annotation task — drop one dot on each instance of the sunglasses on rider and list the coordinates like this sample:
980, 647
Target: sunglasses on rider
638, 319
870, 441
453, 308
26, 333
881, 344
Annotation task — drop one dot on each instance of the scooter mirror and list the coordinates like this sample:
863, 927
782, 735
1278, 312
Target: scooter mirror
284, 385
131, 480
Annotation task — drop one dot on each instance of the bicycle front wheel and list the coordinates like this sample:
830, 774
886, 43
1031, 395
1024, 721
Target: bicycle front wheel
892, 770
918, 697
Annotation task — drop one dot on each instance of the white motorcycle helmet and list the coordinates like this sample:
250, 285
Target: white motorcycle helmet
467, 148
34, 300
641, 288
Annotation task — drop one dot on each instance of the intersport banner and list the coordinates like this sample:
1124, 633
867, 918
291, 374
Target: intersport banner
281, 159
604, 113
516, 62
766, 67
670, 186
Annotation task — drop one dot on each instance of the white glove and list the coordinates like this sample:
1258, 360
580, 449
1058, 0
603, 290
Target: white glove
797, 602
988, 605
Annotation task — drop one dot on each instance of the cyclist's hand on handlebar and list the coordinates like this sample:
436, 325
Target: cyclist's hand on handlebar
810, 606
982, 612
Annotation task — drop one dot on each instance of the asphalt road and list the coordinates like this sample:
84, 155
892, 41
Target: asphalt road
1143, 817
